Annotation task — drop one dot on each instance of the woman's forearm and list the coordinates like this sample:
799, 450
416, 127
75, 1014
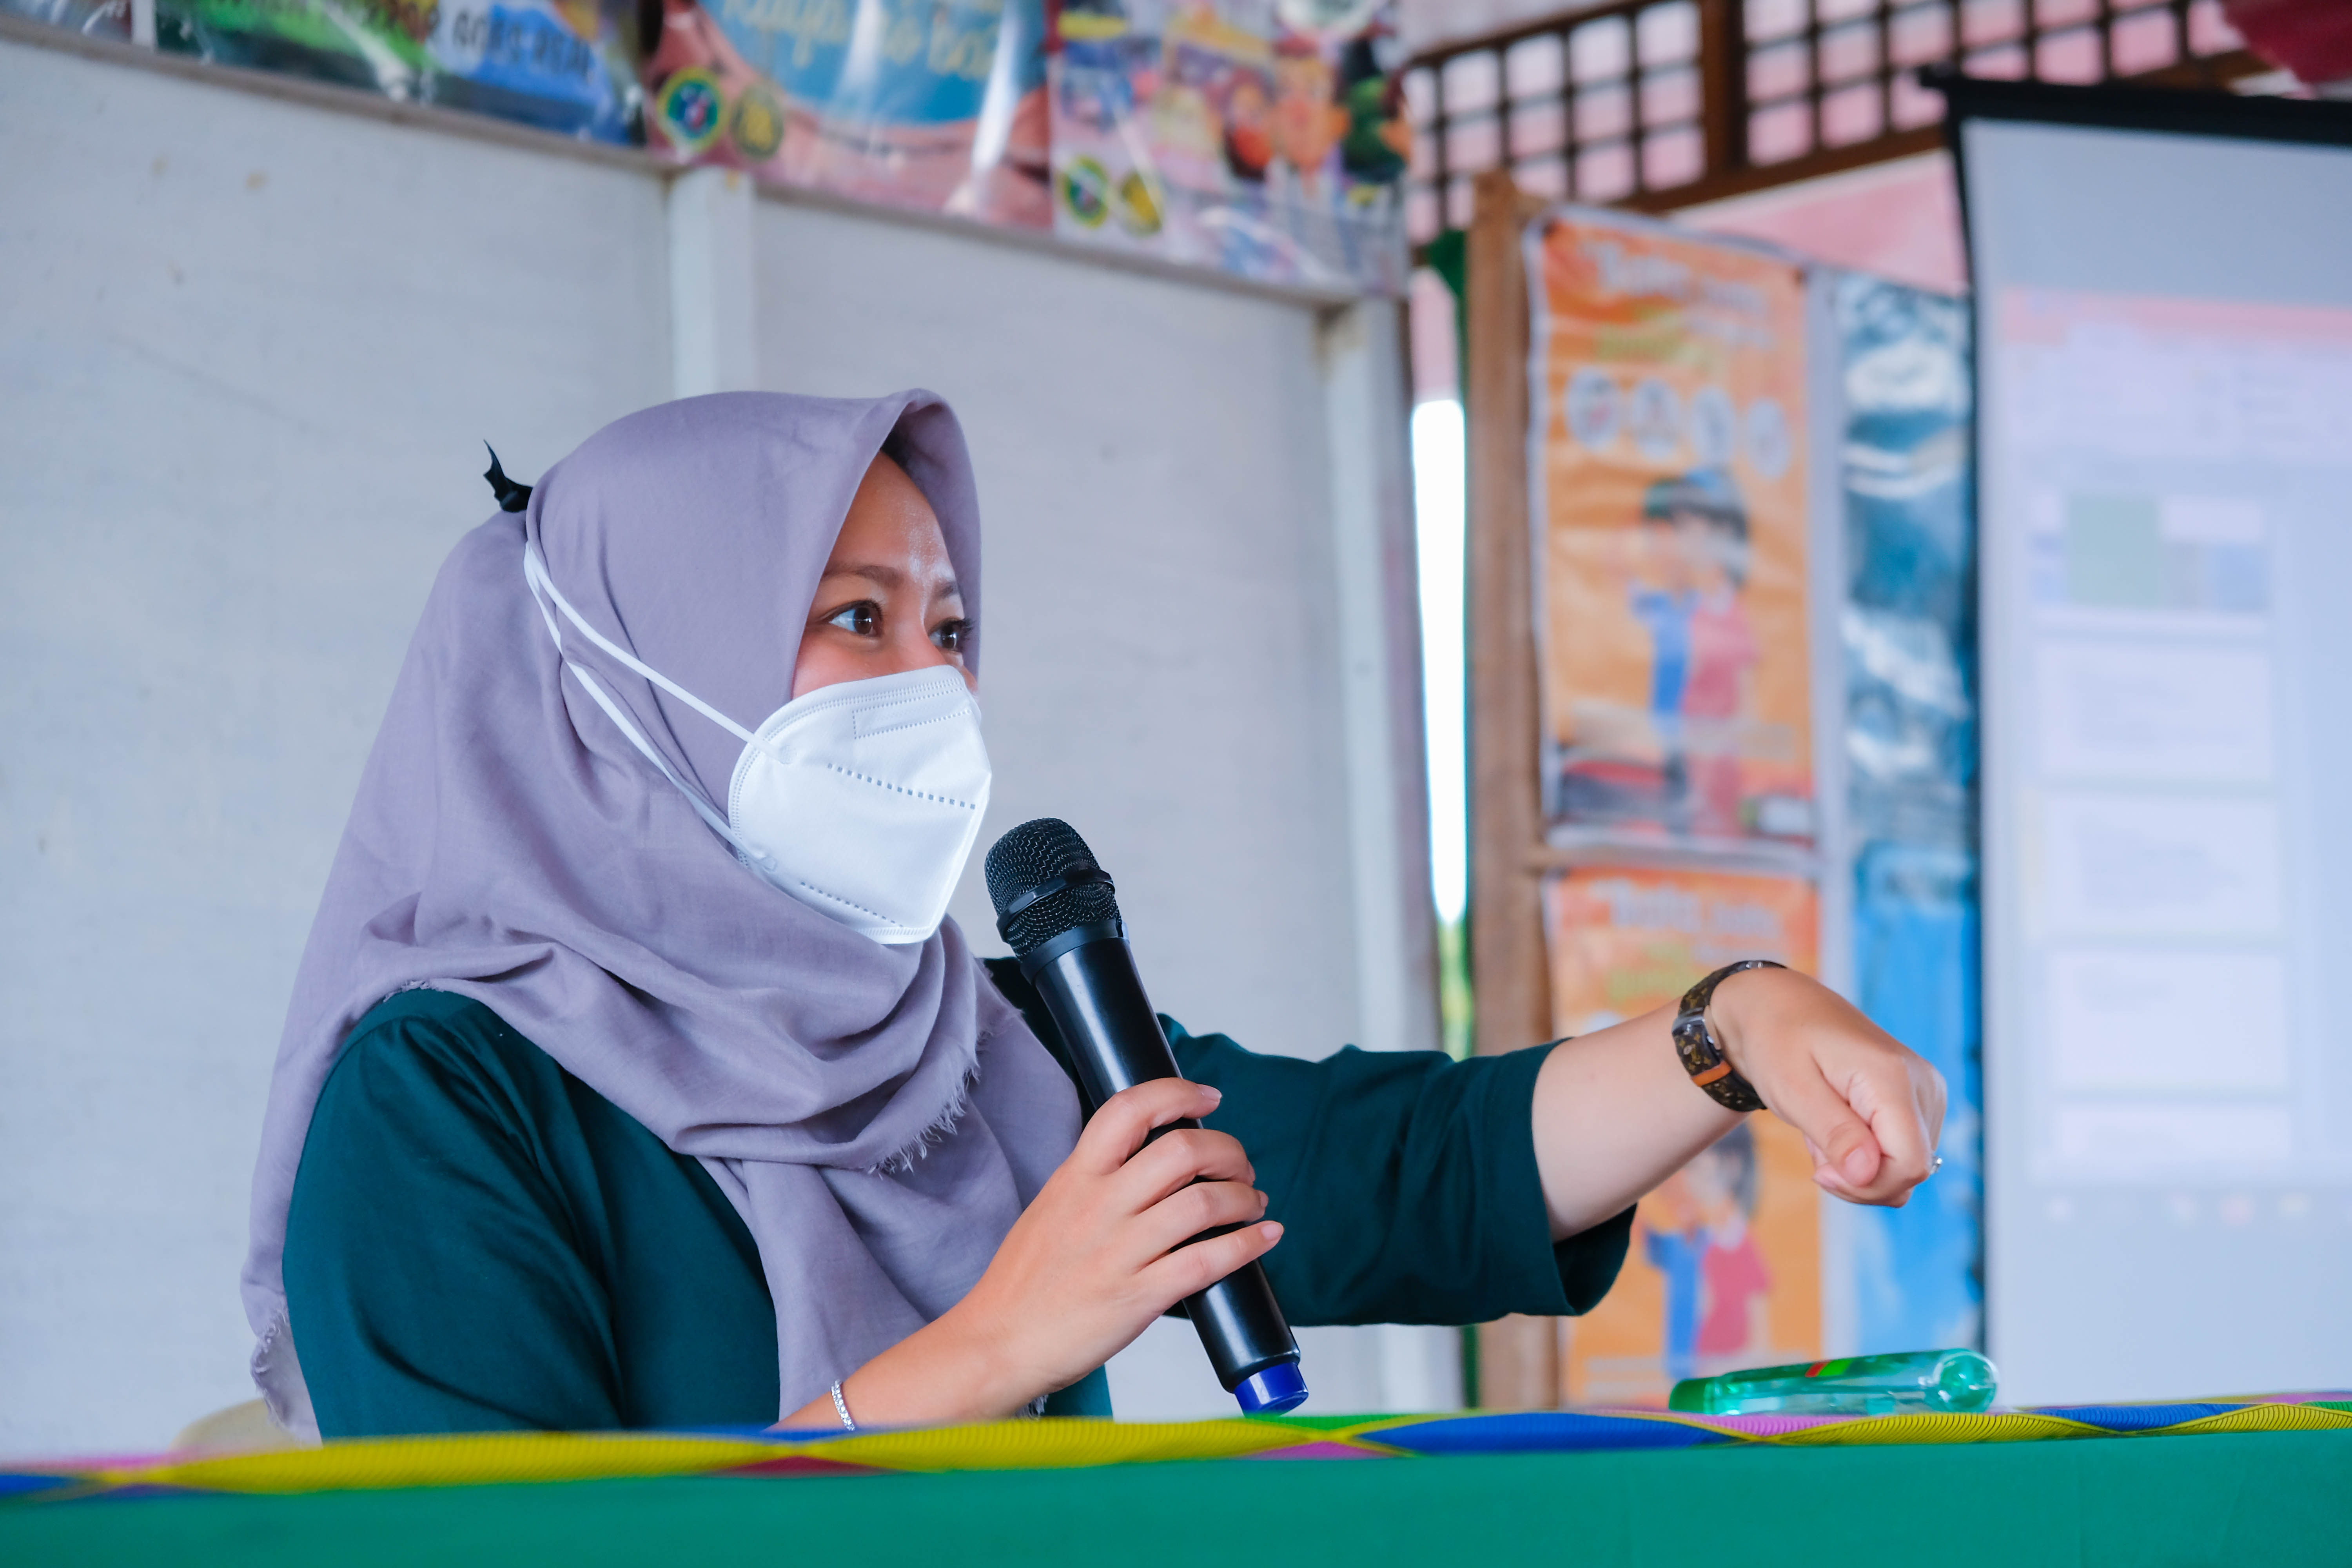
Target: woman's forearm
1615, 1115
935, 1376
1114, 1239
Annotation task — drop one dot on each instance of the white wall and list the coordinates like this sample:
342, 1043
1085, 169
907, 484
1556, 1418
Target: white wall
247, 352
249, 344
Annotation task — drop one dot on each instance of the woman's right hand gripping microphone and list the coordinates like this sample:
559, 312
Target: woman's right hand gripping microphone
1057, 908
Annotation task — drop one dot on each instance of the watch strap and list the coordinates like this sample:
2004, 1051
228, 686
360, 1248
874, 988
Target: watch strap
1702, 1055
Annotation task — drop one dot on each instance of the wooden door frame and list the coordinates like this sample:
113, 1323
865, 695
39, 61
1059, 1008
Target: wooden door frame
1518, 1357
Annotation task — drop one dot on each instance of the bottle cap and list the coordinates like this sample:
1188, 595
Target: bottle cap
1272, 1390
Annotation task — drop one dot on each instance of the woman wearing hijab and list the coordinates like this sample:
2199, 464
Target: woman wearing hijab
635, 1078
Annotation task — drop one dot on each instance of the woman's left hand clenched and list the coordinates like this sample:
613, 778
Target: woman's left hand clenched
1871, 1110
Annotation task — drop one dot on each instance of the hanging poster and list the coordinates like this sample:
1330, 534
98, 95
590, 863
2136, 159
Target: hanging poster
1669, 498
936, 104
1264, 137
96, 18
1910, 733
1918, 1271
1725, 1267
567, 65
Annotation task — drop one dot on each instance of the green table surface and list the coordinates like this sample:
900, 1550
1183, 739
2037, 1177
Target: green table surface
2270, 1499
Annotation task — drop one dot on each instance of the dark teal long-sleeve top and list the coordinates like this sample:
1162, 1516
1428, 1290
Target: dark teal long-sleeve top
480, 1241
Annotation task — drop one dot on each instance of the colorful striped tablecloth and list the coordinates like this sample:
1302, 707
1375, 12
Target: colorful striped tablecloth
511, 1458
2223, 1483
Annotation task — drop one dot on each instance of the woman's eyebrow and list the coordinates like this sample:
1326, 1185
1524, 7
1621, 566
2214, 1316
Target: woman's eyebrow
889, 578
880, 575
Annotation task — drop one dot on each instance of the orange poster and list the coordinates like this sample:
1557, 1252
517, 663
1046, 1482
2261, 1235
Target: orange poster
1725, 1267
1669, 479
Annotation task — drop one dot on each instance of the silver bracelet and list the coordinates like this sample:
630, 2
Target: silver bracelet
840, 1406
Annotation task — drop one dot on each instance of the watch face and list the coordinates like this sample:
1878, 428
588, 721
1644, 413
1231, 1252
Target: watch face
1703, 1060
1702, 1056
1694, 1044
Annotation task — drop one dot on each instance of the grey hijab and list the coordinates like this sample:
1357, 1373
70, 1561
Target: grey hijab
877, 1115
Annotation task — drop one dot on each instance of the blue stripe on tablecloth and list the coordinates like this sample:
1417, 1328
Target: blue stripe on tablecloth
1541, 1432
2135, 1417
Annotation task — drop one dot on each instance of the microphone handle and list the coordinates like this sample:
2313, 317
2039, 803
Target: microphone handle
1089, 983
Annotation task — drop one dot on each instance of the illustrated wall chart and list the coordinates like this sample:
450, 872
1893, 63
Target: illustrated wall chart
937, 104
1669, 488
1725, 1267
1264, 137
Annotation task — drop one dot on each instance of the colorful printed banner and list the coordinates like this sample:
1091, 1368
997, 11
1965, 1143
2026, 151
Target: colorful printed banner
1264, 137
1669, 486
1725, 1269
939, 106
509, 1458
569, 66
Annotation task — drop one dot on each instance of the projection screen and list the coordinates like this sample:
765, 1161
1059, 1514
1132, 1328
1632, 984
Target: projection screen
2164, 309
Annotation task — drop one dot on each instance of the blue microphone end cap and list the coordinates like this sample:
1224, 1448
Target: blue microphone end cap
1271, 1392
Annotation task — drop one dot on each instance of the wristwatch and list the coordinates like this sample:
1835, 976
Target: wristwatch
1702, 1056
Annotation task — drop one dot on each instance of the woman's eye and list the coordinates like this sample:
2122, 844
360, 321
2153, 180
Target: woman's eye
861, 619
951, 635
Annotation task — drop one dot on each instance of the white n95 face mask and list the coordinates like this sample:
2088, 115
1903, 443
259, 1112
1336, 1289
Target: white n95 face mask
861, 800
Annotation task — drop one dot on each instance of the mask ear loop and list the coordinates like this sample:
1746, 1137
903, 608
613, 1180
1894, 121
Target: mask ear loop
536, 578
534, 570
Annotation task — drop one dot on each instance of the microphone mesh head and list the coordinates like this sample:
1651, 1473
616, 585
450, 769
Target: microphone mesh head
1031, 855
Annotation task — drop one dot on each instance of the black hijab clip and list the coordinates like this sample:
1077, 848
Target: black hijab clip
512, 496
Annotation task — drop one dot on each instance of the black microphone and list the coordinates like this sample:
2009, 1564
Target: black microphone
1060, 913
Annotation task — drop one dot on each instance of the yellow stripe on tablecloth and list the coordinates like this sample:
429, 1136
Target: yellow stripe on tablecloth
1937, 1427
508, 1457
2268, 1418
1057, 1444
470, 1459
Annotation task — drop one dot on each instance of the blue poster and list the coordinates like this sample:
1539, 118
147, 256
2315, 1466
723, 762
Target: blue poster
1908, 626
